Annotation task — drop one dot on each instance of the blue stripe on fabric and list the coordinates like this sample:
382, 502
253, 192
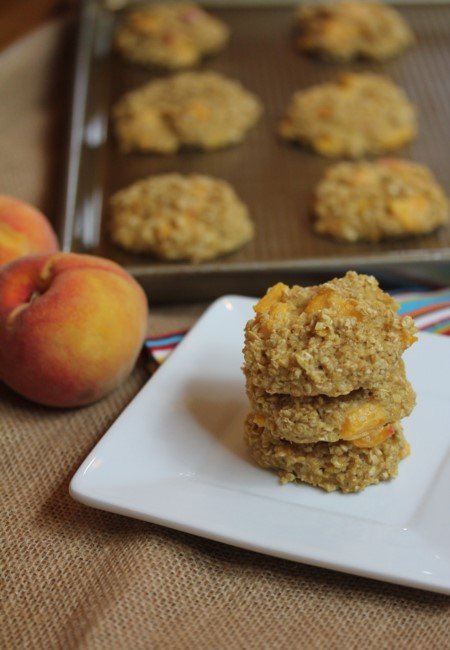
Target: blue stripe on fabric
412, 304
163, 340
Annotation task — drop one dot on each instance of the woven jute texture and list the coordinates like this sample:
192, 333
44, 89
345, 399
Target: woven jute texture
74, 577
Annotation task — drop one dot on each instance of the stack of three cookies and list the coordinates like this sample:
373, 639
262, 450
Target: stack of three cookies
326, 383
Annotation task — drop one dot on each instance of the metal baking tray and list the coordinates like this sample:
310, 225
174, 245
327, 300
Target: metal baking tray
274, 178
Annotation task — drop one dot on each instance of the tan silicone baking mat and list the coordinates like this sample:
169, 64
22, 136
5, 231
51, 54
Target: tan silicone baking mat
274, 178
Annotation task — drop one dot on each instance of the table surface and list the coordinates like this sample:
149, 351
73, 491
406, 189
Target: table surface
80, 578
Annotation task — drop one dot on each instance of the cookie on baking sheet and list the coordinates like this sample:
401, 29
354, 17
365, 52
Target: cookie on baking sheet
343, 31
203, 110
321, 418
331, 466
356, 115
329, 339
178, 217
370, 201
169, 35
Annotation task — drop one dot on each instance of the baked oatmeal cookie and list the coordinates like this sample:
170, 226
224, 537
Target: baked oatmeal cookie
343, 31
356, 115
331, 466
169, 35
321, 418
202, 110
329, 339
371, 201
178, 217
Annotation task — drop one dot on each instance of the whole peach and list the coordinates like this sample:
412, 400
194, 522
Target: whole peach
71, 327
23, 230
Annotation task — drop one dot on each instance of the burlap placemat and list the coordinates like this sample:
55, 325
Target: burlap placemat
74, 577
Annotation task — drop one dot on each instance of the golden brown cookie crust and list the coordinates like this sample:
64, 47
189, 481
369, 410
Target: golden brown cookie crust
179, 217
330, 466
169, 35
329, 339
343, 31
371, 201
359, 114
202, 110
347, 417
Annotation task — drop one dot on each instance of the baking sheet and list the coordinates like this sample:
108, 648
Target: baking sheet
273, 177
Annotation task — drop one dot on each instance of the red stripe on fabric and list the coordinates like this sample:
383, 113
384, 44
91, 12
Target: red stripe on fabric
167, 335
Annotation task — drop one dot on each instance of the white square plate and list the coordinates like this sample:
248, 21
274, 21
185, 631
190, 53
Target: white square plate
176, 457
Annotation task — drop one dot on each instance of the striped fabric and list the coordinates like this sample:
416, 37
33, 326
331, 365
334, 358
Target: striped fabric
430, 310
158, 348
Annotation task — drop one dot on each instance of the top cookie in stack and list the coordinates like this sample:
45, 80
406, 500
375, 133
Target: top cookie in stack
325, 340
326, 383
